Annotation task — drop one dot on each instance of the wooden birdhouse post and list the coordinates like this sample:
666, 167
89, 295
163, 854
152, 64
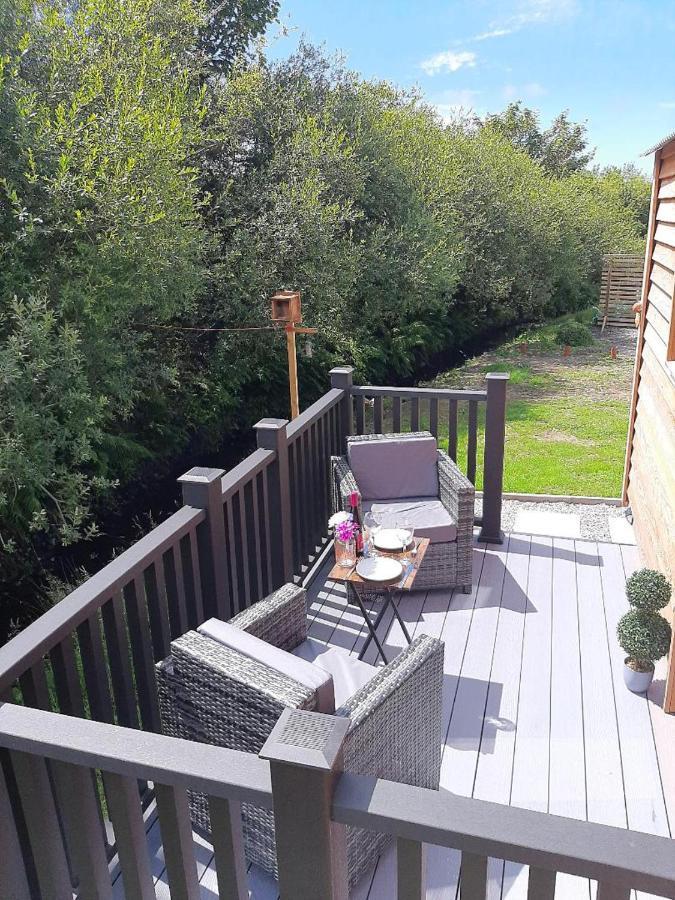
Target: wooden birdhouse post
287, 309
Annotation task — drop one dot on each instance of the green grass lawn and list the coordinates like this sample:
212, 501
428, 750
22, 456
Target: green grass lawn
552, 446
567, 417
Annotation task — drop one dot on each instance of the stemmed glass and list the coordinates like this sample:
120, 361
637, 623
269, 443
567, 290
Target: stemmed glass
407, 532
372, 524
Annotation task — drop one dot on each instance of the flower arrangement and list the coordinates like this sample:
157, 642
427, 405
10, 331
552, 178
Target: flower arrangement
346, 530
338, 517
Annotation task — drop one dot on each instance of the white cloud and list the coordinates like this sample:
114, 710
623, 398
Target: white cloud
525, 12
532, 12
449, 61
667, 104
530, 91
539, 11
453, 104
494, 33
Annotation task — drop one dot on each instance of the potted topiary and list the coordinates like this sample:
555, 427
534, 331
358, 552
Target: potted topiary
642, 632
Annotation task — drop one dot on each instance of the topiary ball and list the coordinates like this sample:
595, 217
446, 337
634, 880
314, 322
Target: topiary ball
645, 636
648, 590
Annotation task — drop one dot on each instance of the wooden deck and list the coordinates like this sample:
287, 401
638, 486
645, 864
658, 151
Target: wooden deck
535, 713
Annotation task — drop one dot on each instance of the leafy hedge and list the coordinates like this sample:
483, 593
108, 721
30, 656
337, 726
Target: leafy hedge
141, 194
574, 334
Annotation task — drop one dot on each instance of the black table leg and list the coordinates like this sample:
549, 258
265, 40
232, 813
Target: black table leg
372, 626
401, 622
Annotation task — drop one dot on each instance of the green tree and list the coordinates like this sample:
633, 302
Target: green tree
99, 231
230, 26
560, 149
153, 193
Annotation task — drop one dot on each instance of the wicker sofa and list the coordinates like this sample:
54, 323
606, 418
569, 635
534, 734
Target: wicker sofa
214, 694
447, 563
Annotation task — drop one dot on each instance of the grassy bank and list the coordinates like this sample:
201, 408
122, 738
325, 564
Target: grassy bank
567, 415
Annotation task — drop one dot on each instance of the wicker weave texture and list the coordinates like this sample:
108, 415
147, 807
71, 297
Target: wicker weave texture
444, 565
211, 694
395, 734
214, 695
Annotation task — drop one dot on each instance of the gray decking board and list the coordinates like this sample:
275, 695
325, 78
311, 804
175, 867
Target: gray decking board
535, 712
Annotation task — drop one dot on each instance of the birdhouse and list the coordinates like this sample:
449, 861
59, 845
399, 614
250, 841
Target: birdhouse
286, 307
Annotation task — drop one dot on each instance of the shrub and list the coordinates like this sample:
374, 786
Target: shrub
645, 637
575, 334
648, 590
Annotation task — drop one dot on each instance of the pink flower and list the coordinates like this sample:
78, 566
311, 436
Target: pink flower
346, 531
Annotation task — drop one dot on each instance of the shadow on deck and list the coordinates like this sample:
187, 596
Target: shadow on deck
535, 712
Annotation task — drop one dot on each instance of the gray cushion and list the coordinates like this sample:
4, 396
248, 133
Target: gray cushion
404, 467
317, 678
349, 673
430, 518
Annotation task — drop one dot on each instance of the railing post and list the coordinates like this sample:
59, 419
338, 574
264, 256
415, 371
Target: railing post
493, 459
42, 823
14, 878
305, 752
342, 377
271, 435
202, 489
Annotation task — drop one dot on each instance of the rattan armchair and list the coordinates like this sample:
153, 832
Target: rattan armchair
212, 694
447, 564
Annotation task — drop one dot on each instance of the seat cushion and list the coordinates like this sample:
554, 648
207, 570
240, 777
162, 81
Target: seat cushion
349, 673
302, 670
429, 517
404, 467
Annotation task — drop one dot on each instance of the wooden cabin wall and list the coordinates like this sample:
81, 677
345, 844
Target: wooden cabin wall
650, 468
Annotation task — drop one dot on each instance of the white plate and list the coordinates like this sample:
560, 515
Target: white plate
389, 539
379, 568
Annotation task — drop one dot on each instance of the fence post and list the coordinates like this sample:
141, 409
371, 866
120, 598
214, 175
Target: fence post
202, 489
305, 753
493, 459
342, 377
271, 435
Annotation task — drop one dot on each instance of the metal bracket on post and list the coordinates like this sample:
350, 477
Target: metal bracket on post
202, 489
305, 753
271, 435
342, 377
493, 459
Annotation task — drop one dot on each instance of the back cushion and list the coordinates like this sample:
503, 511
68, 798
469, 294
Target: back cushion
307, 673
395, 467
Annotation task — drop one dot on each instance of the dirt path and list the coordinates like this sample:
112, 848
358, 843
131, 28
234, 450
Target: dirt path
542, 372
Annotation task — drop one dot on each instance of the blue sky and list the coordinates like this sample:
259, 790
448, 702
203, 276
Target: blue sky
608, 61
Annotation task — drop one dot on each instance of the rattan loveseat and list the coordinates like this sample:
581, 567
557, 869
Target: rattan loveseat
447, 563
213, 694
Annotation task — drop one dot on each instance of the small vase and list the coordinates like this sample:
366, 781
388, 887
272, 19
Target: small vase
345, 553
637, 682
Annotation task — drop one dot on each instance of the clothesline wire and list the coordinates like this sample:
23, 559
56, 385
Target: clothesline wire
237, 328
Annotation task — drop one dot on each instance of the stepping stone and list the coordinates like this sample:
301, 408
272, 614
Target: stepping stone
551, 524
621, 531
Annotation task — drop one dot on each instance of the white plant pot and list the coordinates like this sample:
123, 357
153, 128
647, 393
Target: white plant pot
637, 682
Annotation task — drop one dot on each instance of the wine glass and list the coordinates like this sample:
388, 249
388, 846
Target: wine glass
372, 524
407, 532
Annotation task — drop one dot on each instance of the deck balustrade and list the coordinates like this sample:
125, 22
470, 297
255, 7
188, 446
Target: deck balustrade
80, 744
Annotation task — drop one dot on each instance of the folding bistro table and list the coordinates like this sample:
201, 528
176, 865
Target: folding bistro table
360, 591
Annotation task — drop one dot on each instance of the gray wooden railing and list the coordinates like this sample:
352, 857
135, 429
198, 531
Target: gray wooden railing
438, 410
49, 764
238, 536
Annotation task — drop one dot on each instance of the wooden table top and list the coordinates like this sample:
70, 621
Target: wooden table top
340, 573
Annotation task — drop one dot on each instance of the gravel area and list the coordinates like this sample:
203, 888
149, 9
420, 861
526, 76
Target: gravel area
594, 517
